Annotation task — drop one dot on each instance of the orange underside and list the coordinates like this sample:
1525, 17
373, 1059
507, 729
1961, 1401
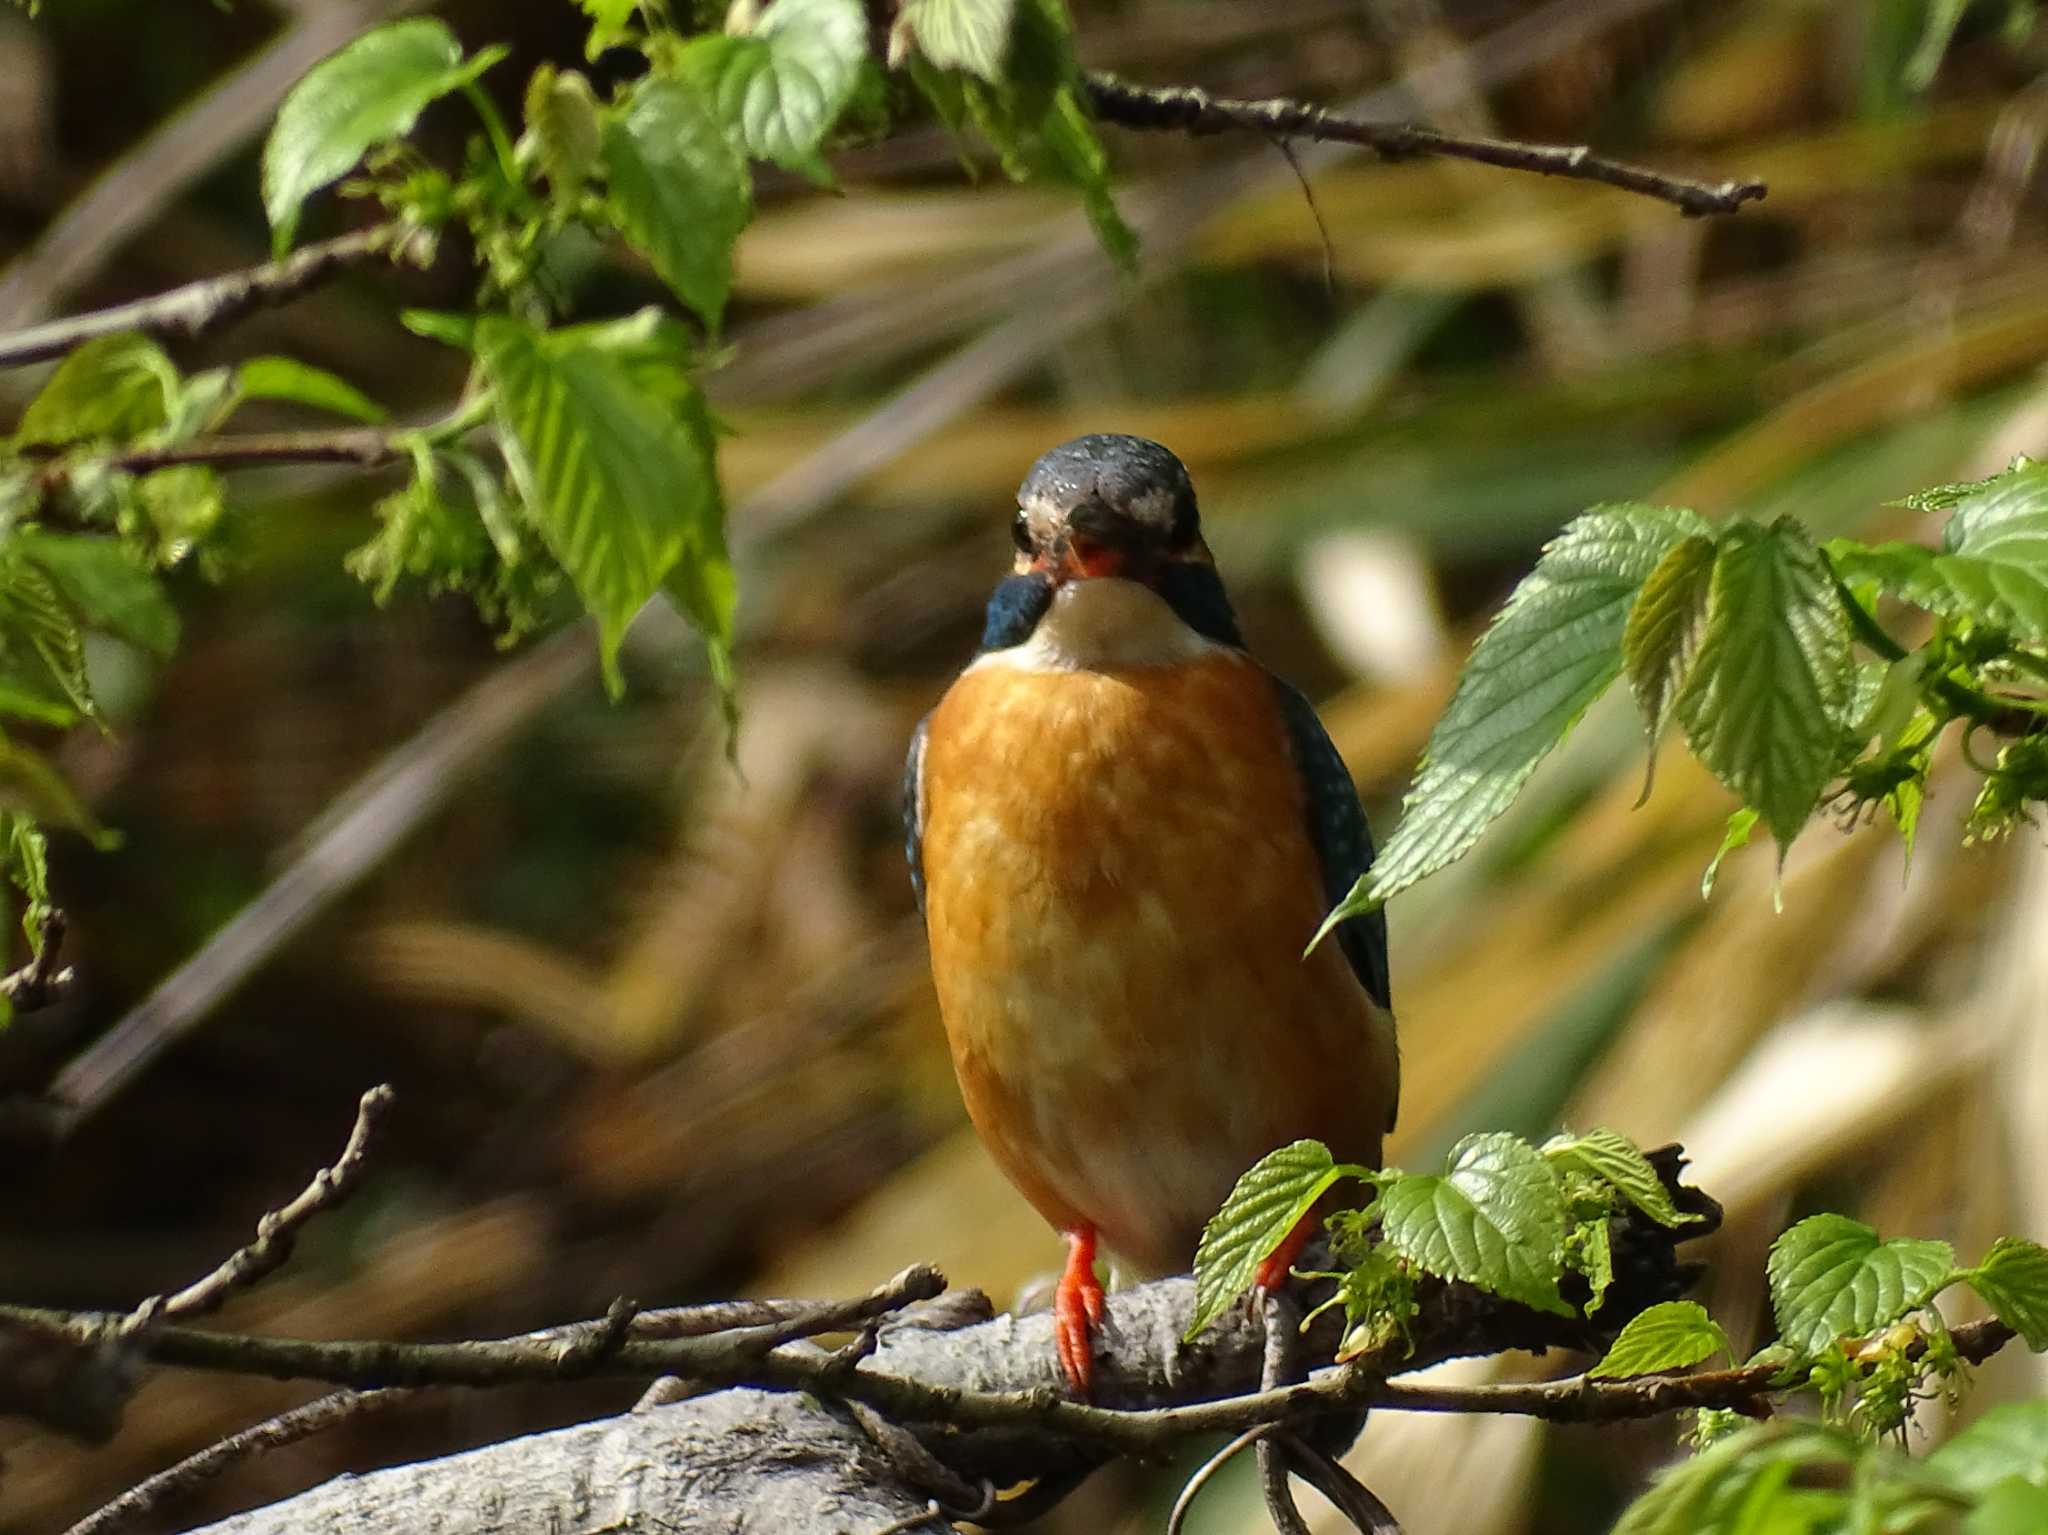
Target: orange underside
1119, 887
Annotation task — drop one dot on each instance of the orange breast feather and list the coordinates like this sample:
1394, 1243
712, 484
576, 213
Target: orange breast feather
1119, 885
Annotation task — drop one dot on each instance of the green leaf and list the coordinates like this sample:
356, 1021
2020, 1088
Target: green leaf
1589, 1250
1494, 1219
2010, 1507
703, 584
968, 35
564, 127
1763, 704
1736, 1486
286, 378
371, 91
1993, 563
680, 191
456, 330
1832, 1278
182, 505
1663, 631
780, 91
1669, 1336
1613, 1158
107, 585
617, 480
2007, 1441
608, 23
40, 639
2013, 1280
1740, 824
112, 389
1267, 1204
1554, 649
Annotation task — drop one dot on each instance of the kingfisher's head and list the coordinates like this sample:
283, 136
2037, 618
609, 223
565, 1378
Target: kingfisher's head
1108, 508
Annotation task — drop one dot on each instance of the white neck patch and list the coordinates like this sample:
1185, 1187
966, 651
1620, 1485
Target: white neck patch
1103, 624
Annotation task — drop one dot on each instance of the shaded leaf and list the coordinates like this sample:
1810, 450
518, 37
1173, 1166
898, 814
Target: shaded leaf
286, 378
564, 127
1668, 1336
1267, 1203
680, 191
371, 91
1763, 704
1831, 1278
1613, 1158
2011, 1440
1663, 631
779, 92
2013, 1280
2010, 1507
31, 786
617, 482
40, 638
1554, 649
1494, 1219
111, 389
108, 587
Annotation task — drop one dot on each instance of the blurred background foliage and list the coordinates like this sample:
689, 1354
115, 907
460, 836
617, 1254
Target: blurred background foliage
663, 1030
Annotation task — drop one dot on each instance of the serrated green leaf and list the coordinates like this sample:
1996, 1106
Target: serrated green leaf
779, 92
1663, 631
1613, 1158
286, 378
108, 587
369, 92
1267, 1203
1832, 1278
1763, 704
2013, 1280
1076, 149
617, 482
1589, 1251
111, 389
680, 191
1668, 1336
2011, 1440
1493, 1219
39, 637
703, 584
564, 127
1554, 649
968, 35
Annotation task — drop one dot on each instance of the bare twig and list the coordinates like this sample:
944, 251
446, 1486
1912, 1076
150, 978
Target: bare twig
1188, 109
42, 980
278, 1231
1281, 1366
364, 447
200, 307
201, 1467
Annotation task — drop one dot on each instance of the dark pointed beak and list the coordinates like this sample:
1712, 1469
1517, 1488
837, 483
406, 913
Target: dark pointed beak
1097, 544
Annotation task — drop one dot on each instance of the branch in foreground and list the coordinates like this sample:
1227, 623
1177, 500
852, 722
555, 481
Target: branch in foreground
210, 303
1188, 109
364, 447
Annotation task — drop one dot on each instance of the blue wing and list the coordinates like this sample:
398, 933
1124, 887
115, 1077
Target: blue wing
1342, 840
913, 810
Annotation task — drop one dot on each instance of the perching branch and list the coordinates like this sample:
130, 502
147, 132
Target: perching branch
364, 447
200, 307
1189, 109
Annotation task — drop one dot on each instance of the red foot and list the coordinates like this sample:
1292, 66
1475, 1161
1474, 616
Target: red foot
1077, 1311
1272, 1273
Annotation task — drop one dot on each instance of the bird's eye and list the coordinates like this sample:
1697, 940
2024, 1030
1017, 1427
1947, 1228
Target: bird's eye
1020, 534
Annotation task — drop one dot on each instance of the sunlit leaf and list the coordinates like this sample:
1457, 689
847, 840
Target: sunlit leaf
371, 91
113, 388
1831, 1278
1764, 701
779, 91
968, 35
1663, 631
1554, 649
609, 23
2013, 1280
1613, 1158
1493, 1219
1267, 1203
617, 481
108, 587
286, 378
2009, 1507
681, 192
1668, 1336
2010, 1440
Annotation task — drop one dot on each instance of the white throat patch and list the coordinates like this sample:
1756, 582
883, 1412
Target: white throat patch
1101, 625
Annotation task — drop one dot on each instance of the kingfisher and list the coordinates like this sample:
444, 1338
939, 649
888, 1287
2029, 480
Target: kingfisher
1123, 832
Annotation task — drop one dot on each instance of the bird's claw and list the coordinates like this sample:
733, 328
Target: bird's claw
1078, 1309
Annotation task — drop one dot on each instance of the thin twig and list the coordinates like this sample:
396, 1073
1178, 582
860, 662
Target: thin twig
1281, 1366
1188, 109
203, 1466
278, 1231
1353, 1499
198, 308
42, 980
364, 447
1176, 1521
